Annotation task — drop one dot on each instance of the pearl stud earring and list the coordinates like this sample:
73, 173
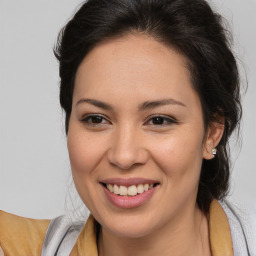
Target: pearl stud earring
214, 152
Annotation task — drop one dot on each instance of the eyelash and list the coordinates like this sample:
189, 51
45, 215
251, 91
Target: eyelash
169, 120
166, 119
86, 119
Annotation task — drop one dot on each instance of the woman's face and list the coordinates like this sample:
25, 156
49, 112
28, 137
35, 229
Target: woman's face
136, 122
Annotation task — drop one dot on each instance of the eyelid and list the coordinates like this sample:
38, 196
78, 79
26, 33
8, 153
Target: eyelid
87, 116
172, 119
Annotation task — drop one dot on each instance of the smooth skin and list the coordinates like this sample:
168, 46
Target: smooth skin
115, 133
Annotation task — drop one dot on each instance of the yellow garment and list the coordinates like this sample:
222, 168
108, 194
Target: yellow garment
24, 237
21, 236
86, 244
220, 235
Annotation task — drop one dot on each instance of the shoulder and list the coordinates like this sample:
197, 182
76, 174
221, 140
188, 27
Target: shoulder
21, 236
242, 222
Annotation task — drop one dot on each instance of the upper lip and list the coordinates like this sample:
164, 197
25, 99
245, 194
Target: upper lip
128, 182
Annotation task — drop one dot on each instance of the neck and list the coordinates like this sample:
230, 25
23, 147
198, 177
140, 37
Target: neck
188, 236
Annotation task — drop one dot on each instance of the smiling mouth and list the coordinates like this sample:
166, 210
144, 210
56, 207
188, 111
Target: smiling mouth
129, 191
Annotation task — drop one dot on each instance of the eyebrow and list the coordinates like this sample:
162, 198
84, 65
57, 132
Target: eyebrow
157, 103
143, 106
97, 103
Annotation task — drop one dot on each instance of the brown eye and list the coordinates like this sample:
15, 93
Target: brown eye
94, 120
161, 120
158, 120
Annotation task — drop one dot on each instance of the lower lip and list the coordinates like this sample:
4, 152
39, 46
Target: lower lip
129, 201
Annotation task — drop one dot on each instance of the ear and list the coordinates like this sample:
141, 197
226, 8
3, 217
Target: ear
212, 139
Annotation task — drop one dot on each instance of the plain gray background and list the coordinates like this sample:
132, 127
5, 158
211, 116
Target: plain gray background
34, 168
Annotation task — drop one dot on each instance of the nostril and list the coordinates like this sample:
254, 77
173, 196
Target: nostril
124, 165
125, 157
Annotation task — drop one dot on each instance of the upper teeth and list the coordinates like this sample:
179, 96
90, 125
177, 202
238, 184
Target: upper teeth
130, 191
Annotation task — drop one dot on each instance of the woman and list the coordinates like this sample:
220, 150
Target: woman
151, 95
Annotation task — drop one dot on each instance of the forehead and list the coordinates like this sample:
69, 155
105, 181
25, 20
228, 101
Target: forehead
133, 64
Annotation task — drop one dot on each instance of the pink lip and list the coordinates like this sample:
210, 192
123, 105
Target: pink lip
129, 201
128, 182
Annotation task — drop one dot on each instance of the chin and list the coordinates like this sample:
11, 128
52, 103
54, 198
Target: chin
130, 226
131, 231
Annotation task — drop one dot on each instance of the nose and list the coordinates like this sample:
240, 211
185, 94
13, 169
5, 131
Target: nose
127, 149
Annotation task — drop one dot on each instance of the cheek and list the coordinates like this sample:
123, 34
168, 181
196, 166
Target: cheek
180, 156
84, 152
